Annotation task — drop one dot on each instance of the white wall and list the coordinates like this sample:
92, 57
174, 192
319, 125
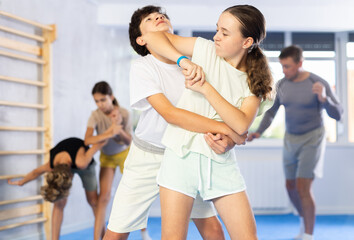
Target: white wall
301, 15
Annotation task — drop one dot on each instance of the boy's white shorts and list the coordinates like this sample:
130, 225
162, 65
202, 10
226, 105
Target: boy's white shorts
138, 189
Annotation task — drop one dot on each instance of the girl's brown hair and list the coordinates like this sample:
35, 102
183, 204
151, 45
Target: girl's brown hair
104, 88
58, 183
260, 79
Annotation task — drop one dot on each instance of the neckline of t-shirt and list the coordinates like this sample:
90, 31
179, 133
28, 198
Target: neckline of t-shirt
230, 66
305, 80
166, 65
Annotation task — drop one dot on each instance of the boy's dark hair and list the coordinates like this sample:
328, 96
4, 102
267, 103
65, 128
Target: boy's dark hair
293, 51
134, 27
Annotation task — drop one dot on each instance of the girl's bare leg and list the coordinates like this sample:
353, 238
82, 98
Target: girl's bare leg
236, 213
175, 212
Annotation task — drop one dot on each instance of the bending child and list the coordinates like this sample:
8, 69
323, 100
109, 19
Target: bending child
238, 81
68, 157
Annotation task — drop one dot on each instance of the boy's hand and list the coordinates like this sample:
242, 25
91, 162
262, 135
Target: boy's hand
219, 143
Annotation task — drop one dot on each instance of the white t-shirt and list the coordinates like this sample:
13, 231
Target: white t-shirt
149, 76
228, 81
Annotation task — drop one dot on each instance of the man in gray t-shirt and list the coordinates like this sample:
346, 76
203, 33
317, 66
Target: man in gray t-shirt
304, 96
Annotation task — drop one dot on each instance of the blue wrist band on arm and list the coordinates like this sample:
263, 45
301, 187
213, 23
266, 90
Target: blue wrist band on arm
179, 59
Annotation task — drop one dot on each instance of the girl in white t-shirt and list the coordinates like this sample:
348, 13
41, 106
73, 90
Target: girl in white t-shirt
238, 83
112, 123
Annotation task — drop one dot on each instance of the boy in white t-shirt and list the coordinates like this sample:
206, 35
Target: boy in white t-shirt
156, 86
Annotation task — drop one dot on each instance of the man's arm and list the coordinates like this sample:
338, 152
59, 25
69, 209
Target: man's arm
266, 121
326, 96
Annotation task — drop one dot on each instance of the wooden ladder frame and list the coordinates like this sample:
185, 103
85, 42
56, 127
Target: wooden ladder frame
41, 55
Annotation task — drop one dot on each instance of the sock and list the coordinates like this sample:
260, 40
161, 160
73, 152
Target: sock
307, 237
145, 235
302, 229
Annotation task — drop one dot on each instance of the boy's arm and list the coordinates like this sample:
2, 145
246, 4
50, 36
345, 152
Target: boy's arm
31, 175
188, 120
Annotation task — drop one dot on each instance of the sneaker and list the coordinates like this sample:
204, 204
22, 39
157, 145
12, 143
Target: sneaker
307, 237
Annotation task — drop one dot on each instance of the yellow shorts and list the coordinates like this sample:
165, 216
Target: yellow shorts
113, 161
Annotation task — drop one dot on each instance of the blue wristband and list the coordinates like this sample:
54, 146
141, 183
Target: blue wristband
179, 59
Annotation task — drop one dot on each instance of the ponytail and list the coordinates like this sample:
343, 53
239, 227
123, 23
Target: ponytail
252, 21
260, 78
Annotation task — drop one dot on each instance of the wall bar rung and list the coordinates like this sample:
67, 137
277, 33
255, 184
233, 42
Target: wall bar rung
21, 80
9, 15
23, 152
3, 177
20, 46
28, 129
27, 199
21, 57
20, 212
22, 34
26, 105
37, 220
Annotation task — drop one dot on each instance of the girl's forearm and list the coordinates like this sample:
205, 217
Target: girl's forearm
98, 138
159, 43
235, 118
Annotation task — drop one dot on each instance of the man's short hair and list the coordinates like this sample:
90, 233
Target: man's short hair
134, 26
293, 51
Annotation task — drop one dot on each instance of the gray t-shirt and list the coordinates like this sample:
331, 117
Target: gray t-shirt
101, 122
303, 110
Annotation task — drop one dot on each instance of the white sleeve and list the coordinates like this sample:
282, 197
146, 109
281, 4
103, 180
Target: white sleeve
143, 83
